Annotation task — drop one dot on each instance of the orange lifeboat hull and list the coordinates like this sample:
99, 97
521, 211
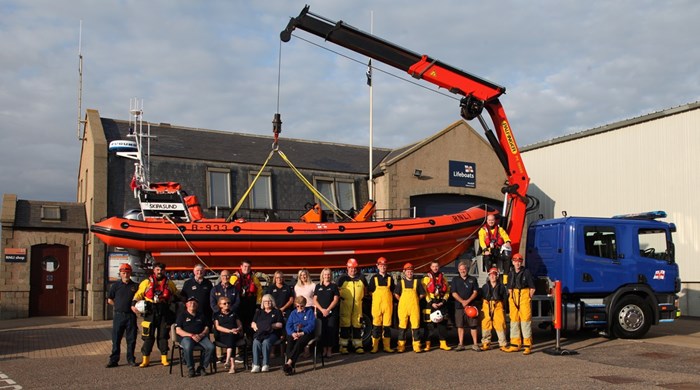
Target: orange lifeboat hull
274, 246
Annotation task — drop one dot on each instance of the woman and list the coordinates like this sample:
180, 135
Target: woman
229, 330
300, 330
305, 287
282, 294
326, 298
267, 323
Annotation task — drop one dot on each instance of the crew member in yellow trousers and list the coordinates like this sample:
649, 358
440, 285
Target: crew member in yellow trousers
521, 288
494, 294
437, 292
352, 288
409, 292
381, 287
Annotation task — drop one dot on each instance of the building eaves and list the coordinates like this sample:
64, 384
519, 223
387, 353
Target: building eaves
613, 126
28, 215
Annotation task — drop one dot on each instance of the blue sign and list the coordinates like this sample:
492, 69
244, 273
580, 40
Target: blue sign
462, 174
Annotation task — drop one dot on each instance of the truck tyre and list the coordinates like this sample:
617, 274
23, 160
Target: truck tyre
631, 318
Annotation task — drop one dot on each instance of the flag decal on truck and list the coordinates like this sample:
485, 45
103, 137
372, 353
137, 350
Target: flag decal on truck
660, 274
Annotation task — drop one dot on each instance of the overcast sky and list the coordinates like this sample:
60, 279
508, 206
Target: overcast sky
567, 66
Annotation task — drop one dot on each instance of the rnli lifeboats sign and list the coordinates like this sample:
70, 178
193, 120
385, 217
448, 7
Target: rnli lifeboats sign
16, 255
462, 174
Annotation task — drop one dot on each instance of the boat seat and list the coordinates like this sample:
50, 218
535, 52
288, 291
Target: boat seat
366, 213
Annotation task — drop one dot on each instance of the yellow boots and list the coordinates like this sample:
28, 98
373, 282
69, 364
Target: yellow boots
416, 346
164, 360
402, 346
387, 345
515, 345
444, 346
145, 362
527, 343
375, 345
427, 346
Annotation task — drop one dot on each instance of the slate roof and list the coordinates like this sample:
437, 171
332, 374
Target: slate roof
229, 147
28, 215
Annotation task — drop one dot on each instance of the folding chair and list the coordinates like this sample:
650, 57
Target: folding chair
313, 343
176, 346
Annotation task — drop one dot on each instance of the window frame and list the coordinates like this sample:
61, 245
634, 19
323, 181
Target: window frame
264, 175
210, 172
335, 189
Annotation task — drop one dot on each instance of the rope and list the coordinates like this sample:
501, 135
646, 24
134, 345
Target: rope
167, 217
250, 188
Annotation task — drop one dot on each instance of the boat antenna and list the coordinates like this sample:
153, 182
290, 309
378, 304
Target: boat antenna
277, 119
80, 81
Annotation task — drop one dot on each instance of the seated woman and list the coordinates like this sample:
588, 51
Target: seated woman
300, 330
267, 325
229, 330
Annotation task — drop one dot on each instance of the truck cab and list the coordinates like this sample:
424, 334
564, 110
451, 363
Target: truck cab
617, 273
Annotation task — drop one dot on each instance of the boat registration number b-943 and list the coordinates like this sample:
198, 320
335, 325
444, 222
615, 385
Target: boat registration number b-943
210, 227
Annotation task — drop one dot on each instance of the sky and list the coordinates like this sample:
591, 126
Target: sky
567, 66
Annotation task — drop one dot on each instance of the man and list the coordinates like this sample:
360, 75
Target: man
194, 330
199, 288
250, 292
159, 292
224, 289
409, 292
521, 288
381, 286
491, 238
352, 289
120, 296
437, 291
465, 291
494, 294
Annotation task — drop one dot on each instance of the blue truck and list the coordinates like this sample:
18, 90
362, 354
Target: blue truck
618, 275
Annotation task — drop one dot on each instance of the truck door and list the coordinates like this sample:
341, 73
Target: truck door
597, 267
655, 263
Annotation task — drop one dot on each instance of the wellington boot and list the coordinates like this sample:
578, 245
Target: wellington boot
485, 346
527, 350
145, 362
402, 346
164, 360
343, 346
416, 347
386, 341
527, 343
512, 348
357, 344
427, 346
444, 346
375, 345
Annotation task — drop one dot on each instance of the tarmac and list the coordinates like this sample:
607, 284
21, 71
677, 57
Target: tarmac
41, 352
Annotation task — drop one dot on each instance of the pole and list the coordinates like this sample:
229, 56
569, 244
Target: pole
371, 130
557, 320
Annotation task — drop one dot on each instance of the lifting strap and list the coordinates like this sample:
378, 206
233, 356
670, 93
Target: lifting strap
245, 195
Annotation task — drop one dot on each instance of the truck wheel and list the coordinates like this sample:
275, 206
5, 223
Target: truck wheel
366, 326
631, 317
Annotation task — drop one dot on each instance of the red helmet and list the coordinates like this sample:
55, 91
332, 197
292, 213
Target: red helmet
381, 260
125, 267
471, 311
352, 263
517, 257
408, 266
493, 270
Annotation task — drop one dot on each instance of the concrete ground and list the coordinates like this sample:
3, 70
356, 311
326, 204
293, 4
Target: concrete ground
50, 352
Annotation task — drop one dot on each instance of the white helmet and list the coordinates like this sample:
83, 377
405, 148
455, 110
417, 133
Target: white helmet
141, 306
436, 316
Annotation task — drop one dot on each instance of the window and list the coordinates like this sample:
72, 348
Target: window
340, 192
653, 244
261, 194
600, 241
50, 214
219, 188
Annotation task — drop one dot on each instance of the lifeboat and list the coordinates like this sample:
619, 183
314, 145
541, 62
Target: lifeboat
181, 243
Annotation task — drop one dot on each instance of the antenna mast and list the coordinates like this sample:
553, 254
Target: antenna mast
80, 80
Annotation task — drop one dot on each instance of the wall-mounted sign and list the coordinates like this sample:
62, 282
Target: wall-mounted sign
115, 260
462, 174
16, 255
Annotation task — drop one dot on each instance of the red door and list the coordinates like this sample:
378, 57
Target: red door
48, 294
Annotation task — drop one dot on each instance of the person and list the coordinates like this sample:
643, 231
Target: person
521, 288
493, 309
199, 288
193, 328
120, 295
305, 287
437, 291
228, 330
159, 292
352, 287
250, 293
491, 238
381, 286
409, 292
224, 289
300, 330
281, 293
465, 291
267, 325
326, 299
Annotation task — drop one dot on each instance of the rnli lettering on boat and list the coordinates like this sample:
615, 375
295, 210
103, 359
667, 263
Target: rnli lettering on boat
163, 206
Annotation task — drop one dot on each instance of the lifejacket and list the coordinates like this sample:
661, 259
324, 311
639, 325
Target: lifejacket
247, 284
158, 289
437, 285
494, 237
